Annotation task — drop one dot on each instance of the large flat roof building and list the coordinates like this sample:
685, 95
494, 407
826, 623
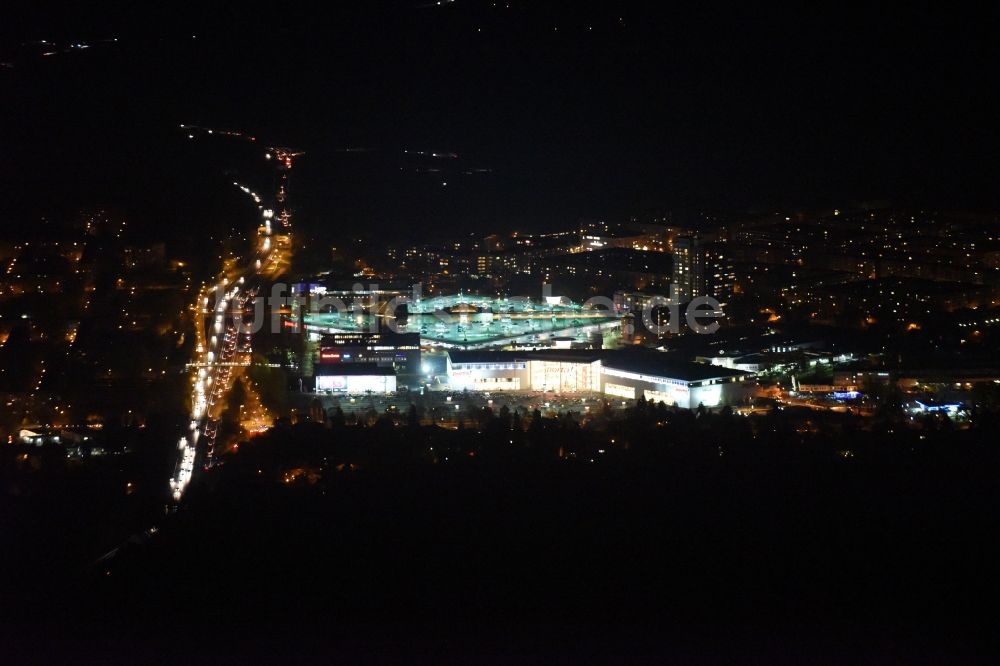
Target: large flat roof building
467, 321
618, 373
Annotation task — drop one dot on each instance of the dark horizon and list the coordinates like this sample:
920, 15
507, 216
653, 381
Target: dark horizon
600, 118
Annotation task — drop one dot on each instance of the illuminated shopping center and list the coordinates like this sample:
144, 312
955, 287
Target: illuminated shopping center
484, 344
624, 374
464, 321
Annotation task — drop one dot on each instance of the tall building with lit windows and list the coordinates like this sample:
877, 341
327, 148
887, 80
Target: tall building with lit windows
703, 268
719, 272
689, 267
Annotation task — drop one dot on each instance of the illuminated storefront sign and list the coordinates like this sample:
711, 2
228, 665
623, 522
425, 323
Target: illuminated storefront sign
356, 383
619, 390
564, 376
674, 395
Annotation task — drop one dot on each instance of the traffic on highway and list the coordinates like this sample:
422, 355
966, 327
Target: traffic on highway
224, 347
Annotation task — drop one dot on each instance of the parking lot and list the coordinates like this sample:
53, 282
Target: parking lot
447, 403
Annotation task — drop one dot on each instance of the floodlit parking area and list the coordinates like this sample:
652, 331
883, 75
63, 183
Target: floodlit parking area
447, 406
477, 321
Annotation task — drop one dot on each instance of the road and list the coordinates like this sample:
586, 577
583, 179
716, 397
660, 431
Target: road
224, 340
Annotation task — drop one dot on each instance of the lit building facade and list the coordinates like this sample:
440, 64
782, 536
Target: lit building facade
399, 351
615, 374
355, 378
689, 268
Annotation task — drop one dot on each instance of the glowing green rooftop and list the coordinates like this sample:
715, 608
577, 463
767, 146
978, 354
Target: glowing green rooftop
469, 321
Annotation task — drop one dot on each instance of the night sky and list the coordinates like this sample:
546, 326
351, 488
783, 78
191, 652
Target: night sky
541, 113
